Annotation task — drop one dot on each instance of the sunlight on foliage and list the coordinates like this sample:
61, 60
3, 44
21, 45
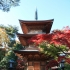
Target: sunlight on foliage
51, 49
4, 40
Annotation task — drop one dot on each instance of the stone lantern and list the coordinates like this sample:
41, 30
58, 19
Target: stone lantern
11, 65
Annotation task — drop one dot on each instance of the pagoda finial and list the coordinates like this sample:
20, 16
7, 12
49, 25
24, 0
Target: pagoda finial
36, 15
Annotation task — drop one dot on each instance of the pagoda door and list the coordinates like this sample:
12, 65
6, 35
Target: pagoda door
36, 65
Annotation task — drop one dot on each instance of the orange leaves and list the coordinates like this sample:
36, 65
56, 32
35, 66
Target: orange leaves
68, 60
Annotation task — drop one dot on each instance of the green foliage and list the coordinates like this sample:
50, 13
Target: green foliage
2, 54
67, 66
11, 32
18, 47
5, 56
5, 61
10, 55
51, 49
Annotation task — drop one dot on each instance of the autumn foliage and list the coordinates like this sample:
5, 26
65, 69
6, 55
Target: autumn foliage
57, 37
20, 64
68, 60
51, 63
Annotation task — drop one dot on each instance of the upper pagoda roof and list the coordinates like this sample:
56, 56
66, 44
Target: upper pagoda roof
35, 22
27, 25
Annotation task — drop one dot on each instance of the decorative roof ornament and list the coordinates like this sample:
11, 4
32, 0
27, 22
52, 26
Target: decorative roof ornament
36, 15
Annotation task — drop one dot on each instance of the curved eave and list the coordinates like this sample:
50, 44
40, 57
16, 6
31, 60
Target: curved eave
26, 51
25, 24
39, 21
26, 35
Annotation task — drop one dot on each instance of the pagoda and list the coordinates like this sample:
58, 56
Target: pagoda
34, 58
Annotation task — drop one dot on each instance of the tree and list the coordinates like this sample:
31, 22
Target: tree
4, 40
5, 5
11, 32
10, 55
54, 42
7, 36
4, 63
57, 37
2, 54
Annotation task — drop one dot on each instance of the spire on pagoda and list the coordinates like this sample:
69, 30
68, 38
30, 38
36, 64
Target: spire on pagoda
36, 15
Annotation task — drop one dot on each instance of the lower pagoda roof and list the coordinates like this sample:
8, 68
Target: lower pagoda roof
24, 38
32, 55
26, 51
26, 35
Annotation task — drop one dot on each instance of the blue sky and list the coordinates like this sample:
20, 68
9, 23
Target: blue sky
59, 10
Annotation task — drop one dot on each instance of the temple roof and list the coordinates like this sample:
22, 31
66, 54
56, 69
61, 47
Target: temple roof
26, 51
26, 35
33, 25
27, 25
35, 22
24, 38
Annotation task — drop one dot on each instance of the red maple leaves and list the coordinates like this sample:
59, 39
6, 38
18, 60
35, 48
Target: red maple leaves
57, 37
20, 64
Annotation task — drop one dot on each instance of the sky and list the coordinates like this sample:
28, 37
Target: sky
59, 10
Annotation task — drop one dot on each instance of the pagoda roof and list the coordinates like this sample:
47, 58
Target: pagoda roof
26, 35
32, 54
27, 25
24, 38
26, 51
35, 22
